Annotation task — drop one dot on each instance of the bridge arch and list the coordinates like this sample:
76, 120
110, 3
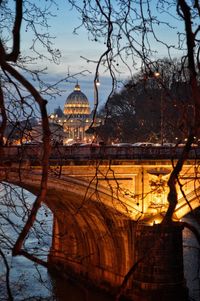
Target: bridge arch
184, 206
91, 236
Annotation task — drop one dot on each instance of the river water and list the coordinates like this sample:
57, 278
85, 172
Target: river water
32, 282
191, 252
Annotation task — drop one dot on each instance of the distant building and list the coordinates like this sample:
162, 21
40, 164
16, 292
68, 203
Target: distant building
76, 118
18, 132
57, 134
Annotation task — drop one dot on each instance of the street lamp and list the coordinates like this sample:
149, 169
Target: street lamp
156, 74
96, 85
161, 117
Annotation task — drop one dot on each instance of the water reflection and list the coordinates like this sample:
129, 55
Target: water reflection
191, 253
27, 280
64, 289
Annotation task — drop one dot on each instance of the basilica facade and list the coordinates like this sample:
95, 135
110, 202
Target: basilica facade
76, 118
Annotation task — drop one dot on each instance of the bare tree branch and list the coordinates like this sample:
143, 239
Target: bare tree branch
10, 296
13, 56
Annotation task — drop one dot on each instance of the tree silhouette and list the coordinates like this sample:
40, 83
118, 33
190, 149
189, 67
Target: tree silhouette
128, 30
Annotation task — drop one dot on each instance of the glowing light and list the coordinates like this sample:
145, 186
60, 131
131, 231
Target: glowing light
97, 82
155, 221
156, 74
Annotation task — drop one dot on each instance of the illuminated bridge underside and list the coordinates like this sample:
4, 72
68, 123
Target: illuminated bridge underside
96, 207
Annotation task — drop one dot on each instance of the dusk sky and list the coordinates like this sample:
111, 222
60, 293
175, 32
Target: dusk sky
73, 46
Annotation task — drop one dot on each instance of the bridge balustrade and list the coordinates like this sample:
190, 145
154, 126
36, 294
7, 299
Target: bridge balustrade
113, 152
60, 152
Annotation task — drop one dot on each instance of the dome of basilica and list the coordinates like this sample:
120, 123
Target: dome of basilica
77, 104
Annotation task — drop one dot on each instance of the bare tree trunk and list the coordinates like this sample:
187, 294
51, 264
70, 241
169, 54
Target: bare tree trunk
3, 116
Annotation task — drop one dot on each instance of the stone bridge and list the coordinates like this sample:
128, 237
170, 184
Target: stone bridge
100, 203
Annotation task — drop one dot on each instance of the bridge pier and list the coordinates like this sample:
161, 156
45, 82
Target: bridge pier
156, 252
159, 272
